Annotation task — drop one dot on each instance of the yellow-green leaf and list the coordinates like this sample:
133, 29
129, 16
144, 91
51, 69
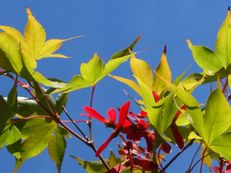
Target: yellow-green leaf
206, 58
34, 33
141, 70
217, 119
56, 148
222, 145
92, 70
91, 166
16, 34
223, 42
164, 71
132, 84
183, 95
10, 57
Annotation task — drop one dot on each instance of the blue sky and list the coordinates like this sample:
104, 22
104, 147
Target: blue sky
109, 26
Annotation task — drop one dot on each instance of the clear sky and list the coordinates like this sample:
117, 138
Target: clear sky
109, 26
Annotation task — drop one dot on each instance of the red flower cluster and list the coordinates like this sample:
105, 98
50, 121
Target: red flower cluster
123, 122
135, 127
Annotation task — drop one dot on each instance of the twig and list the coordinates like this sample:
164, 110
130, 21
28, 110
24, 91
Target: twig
198, 161
89, 118
194, 156
31, 117
202, 160
176, 156
77, 127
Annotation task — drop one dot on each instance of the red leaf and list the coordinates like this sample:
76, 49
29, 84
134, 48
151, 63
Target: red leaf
155, 96
166, 147
216, 169
94, 114
177, 136
146, 165
105, 144
123, 114
111, 114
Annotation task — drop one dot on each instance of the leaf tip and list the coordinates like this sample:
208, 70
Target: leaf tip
189, 43
165, 49
28, 11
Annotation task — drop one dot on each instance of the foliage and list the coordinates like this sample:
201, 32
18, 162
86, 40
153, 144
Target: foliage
169, 114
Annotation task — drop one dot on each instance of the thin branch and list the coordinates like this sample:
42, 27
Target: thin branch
176, 156
77, 127
202, 160
31, 117
89, 117
194, 156
198, 161
75, 121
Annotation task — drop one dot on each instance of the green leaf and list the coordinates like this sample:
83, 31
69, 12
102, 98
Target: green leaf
141, 70
56, 148
217, 118
167, 114
10, 57
223, 44
132, 84
92, 70
182, 120
5, 113
112, 64
36, 134
91, 166
48, 48
91, 73
33, 75
34, 33
164, 71
12, 98
113, 160
183, 95
3, 137
205, 58
195, 117
126, 51
14, 135
61, 100
153, 109
9, 135
146, 94
221, 145
190, 83
16, 34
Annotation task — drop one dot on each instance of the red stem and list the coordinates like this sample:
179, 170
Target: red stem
89, 117
202, 160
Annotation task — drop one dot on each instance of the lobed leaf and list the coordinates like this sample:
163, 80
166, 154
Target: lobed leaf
56, 148
36, 134
164, 71
205, 58
141, 70
223, 43
91, 166
217, 119
10, 57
